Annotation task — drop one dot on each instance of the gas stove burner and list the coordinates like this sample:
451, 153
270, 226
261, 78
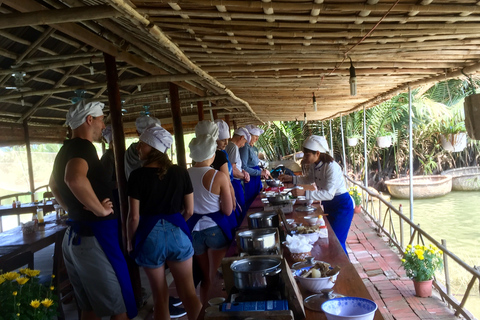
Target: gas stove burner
261, 295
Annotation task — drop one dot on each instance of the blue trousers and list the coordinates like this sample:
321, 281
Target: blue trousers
340, 215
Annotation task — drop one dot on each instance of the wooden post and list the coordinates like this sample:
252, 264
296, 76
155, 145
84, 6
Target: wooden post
200, 110
445, 266
177, 125
234, 124
227, 119
29, 159
215, 114
119, 152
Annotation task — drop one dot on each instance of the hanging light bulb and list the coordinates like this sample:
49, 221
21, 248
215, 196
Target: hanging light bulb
139, 87
304, 118
353, 79
92, 71
314, 102
23, 102
191, 105
166, 99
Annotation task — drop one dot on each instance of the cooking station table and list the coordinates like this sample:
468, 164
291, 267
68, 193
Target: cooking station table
328, 249
13, 242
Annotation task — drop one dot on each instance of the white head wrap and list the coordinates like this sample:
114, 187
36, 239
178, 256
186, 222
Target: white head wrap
223, 129
206, 127
77, 114
254, 130
316, 143
157, 137
108, 134
243, 132
203, 147
143, 122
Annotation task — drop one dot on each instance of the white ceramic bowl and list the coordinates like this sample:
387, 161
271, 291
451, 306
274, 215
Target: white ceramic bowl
315, 285
290, 221
349, 308
311, 220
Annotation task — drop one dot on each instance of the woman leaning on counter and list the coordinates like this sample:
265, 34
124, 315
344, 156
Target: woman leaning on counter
330, 185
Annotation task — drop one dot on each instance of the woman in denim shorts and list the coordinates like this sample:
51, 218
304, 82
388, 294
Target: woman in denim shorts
213, 203
158, 193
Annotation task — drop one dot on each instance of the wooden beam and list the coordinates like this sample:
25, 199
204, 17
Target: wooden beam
201, 116
15, 20
177, 125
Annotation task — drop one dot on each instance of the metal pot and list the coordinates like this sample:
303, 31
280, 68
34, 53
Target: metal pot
263, 220
256, 273
257, 240
282, 198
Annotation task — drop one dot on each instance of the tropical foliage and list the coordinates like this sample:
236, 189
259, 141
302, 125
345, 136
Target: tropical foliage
436, 110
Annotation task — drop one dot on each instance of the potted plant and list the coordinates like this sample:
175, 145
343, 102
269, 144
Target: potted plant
352, 129
352, 140
357, 199
421, 263
384, 138
23, 297
453, 134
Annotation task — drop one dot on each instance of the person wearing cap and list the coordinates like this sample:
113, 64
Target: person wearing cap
132, 161
250, 161
211, 230
160, 199
93, 257
330, 186
240, 137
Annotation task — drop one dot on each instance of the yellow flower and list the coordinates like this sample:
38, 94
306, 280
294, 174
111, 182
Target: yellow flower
18, 315
14, 293
22, 281
22, 271
53, 276
440, 251
35, 304
47, 302
32, 273
403, 260
52, 288
10, 276
2, 279
421, 257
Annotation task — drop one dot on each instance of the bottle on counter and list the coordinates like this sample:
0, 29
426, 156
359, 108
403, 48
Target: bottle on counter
35, 220
41, 221
14, 204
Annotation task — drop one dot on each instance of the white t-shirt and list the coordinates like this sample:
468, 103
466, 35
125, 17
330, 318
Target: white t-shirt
234, 155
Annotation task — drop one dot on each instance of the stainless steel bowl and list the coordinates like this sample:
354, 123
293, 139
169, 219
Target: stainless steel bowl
263, 220
273, 183
257, 240
256, 273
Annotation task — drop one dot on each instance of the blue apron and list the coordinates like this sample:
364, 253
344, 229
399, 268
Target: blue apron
340, 215
218, 217
106, 233
240, 208
252, 189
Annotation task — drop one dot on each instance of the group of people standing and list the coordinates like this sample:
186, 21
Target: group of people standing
174, 214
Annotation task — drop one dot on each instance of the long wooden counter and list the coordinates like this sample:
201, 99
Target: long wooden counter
329, 250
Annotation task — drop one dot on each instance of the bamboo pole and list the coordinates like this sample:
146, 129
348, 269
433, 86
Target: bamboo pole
42, 17
177, 125
29, 160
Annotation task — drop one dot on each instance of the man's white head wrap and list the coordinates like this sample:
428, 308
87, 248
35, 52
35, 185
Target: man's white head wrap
254, 130
143, 122
206, 127
202, 147
77, 114
157, 137
223, 129
243, 132
108, 134
316, 143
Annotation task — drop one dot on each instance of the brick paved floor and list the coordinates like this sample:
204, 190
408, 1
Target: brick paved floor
380, 268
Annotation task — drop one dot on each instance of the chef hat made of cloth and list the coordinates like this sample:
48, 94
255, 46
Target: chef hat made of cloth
242, 132
254, 130
223, 129
108, 134
316, 143
143, 122
202, 147
77, 114
157, 137
206, 127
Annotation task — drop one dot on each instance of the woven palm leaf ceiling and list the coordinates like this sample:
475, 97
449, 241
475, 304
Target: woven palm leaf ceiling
255, 61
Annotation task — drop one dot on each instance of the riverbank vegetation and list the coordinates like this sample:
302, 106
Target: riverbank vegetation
436, 111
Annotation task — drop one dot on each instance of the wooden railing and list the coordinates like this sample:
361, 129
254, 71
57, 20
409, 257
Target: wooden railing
382, 214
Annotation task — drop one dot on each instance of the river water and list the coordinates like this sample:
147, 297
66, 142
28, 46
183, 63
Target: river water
454, 217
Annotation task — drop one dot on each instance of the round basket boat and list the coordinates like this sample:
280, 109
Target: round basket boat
423, 187
464, 179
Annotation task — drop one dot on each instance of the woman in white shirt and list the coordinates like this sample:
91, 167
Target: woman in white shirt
211, 230
330, 186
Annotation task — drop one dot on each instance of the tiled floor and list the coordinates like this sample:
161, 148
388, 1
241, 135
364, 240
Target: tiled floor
377, 264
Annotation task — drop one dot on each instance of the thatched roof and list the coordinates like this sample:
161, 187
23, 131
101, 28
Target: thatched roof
255, 61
